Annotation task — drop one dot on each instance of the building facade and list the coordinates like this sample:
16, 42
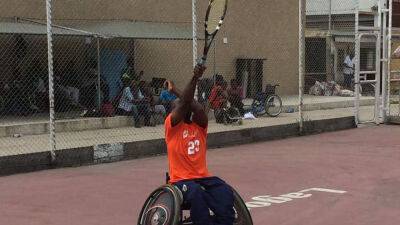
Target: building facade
258, 31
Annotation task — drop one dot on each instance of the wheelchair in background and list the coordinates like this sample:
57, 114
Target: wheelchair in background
165, 206
267, 102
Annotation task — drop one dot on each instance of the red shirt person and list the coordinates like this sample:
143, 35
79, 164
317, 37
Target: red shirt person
218, 96
186, 139
235, 96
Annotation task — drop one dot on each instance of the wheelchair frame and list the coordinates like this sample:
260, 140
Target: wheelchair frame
176, 217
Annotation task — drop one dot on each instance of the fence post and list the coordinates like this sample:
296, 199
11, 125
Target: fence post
52, 137
389, 62
194, 27
357, 65
385, 53
194, 48
302, 23
98, 73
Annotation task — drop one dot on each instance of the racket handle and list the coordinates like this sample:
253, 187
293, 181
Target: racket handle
201, 61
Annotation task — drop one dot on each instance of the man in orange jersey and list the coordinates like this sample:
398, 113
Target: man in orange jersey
186, 138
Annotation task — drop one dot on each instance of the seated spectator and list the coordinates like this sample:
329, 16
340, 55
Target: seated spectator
67, 83
41, 94
148, 94
204, 90
89, 95
218, 99
36, 81
132, 102
136, 78
235, 93
18, 102
20, 94
126, 74
167, 98
71, 84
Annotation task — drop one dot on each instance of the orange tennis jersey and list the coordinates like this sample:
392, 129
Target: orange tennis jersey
186, 145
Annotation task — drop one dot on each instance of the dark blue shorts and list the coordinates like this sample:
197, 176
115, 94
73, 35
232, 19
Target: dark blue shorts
202, 195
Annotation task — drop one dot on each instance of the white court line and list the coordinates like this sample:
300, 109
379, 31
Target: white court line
267, 200
324, 190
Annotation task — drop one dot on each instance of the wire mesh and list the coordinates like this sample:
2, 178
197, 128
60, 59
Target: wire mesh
23, 86
111, 76
330, 58
248, 67
112, 58
394, 89
394, 66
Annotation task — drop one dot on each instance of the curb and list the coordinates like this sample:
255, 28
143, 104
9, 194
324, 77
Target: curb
106, 153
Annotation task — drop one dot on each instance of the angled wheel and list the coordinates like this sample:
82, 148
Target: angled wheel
233, 115
162, 207
273, 105
242, 213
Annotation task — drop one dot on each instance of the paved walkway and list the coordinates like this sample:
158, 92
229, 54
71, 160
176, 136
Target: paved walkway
286, 100
38, 143
347, 177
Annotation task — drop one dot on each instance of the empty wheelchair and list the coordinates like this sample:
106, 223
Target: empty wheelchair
267, 102
165, 206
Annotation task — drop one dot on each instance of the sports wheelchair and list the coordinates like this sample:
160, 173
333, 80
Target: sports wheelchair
165, 206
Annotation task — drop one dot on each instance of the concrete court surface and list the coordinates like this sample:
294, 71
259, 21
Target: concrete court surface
339, 178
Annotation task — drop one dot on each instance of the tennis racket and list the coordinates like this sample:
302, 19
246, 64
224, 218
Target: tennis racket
214, 18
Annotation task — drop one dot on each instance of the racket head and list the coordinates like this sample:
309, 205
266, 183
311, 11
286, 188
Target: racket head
215, 15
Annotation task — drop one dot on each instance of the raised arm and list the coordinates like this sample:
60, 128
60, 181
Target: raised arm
199, 115
188, 91
183, 105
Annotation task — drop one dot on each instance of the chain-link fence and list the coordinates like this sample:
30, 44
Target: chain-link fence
330, 55
110, 61
394, 62
23, 83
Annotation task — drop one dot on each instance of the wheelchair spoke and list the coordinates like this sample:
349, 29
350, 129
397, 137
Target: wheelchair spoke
157, 215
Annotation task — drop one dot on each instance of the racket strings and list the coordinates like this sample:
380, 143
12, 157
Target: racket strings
215, 16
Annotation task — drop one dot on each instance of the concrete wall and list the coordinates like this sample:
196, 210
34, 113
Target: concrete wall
254, 29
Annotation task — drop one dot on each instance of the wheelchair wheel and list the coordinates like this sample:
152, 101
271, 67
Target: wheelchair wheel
232, 115
273, 105
162, 207
242, 214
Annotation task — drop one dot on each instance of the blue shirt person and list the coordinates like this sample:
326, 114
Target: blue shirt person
166, 99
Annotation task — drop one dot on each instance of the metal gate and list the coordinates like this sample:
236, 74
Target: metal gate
367, 74
384, 76
393, 85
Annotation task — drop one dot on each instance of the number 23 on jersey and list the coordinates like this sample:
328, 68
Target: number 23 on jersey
193, 147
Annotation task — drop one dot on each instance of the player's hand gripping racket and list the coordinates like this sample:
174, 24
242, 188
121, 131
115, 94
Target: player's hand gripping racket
214, 18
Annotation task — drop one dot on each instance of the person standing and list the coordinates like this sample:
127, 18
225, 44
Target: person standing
348, 70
